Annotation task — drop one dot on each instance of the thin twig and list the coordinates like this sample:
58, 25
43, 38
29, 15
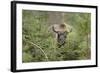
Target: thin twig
41, 50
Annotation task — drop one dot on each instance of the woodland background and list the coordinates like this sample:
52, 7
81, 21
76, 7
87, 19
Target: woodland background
38, 41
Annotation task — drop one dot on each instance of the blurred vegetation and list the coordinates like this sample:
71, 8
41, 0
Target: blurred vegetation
39, 43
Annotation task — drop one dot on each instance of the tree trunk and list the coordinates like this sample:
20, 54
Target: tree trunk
55, 18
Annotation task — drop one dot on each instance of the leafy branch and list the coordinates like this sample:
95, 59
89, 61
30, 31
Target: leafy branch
46, 57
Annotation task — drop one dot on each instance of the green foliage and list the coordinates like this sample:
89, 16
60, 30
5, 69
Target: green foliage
39, 43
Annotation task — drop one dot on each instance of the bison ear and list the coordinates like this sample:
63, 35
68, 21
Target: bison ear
55, 28
68, 28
